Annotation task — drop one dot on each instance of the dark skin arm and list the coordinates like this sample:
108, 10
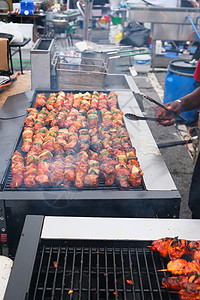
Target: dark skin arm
189, 102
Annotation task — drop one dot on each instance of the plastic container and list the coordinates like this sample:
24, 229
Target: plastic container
27, 7
180, 82
114, 4
142, 63
158, 47
116, 20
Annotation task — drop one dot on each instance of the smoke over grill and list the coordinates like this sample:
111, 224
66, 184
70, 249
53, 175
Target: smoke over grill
73, 140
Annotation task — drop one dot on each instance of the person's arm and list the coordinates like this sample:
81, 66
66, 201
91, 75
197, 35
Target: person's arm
186, 103
194, 3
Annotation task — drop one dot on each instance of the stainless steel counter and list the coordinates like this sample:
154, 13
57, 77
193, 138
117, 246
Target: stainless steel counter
166, 23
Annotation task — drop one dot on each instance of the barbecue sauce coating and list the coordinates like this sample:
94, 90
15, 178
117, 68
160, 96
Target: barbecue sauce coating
187, 271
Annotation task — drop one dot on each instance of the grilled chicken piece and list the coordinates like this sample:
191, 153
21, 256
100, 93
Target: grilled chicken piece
72, 142
60, 119
30, 170
40, 120
91, 180
40, 100
71, 117
49, 140
95, 143
103, 103
30, 119
194, 249
45, 155
108, 170
43, 173
85, 102
69, 100
57, 170
93, 155
107, 119
37, 143
17, 168
122, 176
190, 291
177, 248
51, 116
29, 175
59, 104
92, 118
43, 180
161, 246
27, 137
182, 267
92, 177
112, 99
69, 170
60, 144
136, 175
94, 100
81, 169
84, 140
77, 100
30, 181
51, 101
174, 283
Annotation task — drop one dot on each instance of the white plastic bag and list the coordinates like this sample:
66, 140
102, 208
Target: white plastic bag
13, 29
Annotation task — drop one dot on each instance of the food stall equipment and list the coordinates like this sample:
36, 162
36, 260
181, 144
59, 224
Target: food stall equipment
157, 197
41, 63
166, 24
80, 72
93, 258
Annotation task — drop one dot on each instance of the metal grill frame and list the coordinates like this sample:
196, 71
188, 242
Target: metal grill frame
152, 195
142, 267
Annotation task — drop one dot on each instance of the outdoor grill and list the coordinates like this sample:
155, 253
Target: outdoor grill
156, 197
93, 258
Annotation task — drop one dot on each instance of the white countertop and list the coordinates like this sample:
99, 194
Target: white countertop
119, 228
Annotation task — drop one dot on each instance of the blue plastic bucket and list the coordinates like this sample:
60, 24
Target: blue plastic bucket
180, 82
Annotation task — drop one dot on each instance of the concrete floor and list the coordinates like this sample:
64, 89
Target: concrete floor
177, 159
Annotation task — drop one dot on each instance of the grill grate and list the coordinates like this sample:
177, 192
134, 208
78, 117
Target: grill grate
66, 270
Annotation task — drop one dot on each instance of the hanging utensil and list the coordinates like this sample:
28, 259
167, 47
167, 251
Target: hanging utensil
128, 55
129, 50
134, 117
161, 105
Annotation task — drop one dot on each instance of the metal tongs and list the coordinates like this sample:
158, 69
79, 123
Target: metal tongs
134, 117
161, 105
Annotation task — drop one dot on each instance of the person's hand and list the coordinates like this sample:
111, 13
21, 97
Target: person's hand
164, 114
195, 3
